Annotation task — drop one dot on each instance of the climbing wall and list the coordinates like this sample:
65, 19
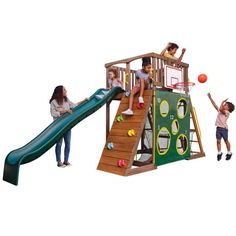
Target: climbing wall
124, 135
172, 122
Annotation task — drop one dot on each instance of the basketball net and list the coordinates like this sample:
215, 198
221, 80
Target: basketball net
184, 87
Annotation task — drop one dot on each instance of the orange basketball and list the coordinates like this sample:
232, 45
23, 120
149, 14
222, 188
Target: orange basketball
202, 78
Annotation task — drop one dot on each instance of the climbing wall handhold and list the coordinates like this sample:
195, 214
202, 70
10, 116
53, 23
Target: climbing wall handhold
139, 105
110, 146
121, 163
127, 94
131, 132
120, 118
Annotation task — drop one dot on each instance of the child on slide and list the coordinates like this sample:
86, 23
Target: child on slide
113, 81
142, 82
59, 105
221, 126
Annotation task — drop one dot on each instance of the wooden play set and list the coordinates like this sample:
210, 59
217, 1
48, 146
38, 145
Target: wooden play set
164, 130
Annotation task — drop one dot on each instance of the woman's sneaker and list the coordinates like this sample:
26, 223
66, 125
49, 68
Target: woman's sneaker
66, 163
228, 156
60, 164
219, 156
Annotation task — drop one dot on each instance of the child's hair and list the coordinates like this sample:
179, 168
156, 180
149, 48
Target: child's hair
231, 106
114, 71
146, 61
172, 46
58, 95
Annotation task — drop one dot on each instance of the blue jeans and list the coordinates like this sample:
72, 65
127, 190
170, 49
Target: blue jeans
67, 138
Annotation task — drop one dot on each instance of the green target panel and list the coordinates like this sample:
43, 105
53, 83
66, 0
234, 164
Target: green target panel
172, 122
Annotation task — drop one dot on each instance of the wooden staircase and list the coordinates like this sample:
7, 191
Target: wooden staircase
125, 147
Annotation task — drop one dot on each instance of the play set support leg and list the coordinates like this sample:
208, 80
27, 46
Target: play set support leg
107, 119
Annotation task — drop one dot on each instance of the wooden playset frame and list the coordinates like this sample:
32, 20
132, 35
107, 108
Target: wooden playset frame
127, 76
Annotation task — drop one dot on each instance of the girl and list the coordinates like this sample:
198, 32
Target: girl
113, 81
59, 105
142, 82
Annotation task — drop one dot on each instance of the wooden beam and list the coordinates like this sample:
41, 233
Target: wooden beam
151, 54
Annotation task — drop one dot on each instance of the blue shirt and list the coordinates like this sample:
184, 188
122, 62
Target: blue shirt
142, 75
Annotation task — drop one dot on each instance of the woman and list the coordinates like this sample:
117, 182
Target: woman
59, 105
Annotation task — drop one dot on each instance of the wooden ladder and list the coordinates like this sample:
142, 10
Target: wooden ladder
195, 130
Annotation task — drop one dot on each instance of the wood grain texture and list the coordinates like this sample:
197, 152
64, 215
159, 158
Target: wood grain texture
125, 147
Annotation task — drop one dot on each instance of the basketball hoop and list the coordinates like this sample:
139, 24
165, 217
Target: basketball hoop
184, 86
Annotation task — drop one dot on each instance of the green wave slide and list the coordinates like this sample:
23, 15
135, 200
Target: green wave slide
48, 137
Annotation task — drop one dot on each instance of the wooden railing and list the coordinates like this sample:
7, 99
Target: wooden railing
127, 74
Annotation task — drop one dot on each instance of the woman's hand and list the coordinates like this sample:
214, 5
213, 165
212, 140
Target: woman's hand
66, 111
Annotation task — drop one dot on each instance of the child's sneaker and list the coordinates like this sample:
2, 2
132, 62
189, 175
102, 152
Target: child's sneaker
100, 96
60, 164
219, 156
128, 112
105, 92
228, 156
140, 100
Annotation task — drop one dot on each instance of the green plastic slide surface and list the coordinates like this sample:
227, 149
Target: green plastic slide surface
48, 137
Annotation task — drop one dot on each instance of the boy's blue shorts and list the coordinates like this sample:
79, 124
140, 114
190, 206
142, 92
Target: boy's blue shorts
221, 133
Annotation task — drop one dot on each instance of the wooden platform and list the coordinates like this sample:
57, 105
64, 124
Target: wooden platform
125, 147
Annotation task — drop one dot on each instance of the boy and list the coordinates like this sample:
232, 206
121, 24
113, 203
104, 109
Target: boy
171, 49
142, 82
221, 126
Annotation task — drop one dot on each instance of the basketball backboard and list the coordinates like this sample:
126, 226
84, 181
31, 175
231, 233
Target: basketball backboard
172, 75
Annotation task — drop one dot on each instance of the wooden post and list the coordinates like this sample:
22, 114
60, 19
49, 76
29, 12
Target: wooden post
107, 109
154, 65
107, 119
186, 79
162, 83
127, 77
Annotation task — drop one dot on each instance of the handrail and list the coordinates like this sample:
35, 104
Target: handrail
151, 54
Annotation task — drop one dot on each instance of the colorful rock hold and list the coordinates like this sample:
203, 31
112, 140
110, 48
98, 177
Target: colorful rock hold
121, 163
139, 105
120, 118
131, 132
127, 94
110, 146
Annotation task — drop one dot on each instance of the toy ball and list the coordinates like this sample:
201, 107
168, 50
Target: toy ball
139, 105
127, 93
202, 78
120, 118
110, 146
121, 163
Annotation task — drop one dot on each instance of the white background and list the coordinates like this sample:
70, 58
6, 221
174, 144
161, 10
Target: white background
47, 43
